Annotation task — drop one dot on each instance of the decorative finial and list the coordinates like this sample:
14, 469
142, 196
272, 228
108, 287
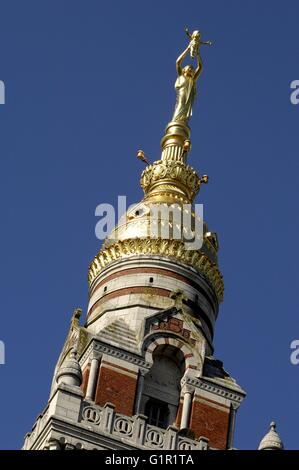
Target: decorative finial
186, 149
70, 371
271, 441
142, 157
204, 179
76, 316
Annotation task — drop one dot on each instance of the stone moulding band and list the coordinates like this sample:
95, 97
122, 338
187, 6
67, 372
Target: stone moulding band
103, 348
218, 390
159, 247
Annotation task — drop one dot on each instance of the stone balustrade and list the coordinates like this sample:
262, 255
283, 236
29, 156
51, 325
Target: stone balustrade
136, 431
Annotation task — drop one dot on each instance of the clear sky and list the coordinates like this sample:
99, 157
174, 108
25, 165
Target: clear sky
89, 83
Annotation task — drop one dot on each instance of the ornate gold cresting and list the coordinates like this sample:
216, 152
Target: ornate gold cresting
160, 247
169, 181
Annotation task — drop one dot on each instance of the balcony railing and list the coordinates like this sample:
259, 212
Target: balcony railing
136, 431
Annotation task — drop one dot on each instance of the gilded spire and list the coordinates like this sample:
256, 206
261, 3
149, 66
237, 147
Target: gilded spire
169, 184
170, 179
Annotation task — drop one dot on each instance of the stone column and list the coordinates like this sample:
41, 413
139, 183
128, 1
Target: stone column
139, 390
187, 391
232, 422
93, 375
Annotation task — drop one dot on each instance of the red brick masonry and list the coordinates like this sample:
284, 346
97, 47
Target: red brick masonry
117, 388
210, 422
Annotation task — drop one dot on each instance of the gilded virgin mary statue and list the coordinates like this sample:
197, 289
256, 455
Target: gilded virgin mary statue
185, 84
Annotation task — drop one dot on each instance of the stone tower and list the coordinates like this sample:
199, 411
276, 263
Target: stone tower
140, 373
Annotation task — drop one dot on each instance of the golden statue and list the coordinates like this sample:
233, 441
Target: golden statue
185, 84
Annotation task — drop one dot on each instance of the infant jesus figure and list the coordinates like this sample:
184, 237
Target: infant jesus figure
195, 42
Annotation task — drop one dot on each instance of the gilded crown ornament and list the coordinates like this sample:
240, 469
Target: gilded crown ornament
157, 181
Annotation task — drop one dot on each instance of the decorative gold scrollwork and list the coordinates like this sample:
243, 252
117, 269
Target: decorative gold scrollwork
163, 247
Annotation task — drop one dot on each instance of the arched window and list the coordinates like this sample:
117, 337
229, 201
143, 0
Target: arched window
162, 386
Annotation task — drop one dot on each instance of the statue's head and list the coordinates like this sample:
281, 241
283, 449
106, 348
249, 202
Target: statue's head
195, 35
188, 71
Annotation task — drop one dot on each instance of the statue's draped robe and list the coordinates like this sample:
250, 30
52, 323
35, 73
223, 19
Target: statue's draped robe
186, 91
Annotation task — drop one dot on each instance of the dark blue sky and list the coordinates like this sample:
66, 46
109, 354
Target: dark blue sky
87, 84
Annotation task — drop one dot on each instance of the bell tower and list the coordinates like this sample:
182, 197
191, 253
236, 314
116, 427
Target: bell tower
141, 373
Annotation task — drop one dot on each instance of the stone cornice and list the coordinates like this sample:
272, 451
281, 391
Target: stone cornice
104, 348
223, 391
